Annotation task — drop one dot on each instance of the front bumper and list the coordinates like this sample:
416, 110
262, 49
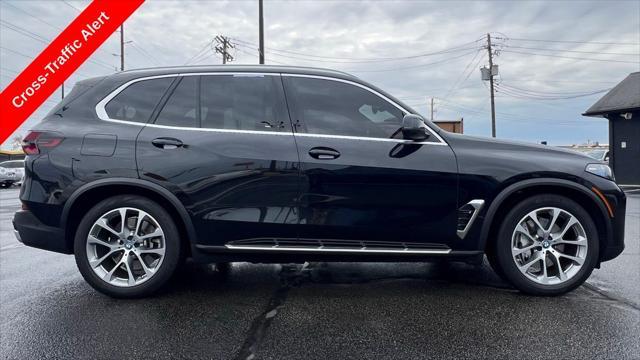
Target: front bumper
615, 244
31, 232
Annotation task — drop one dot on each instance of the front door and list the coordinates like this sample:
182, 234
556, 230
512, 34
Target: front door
363, 186
224, 144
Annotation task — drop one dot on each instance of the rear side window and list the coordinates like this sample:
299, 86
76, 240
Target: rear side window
337, 108
137, 102
242, 102
181, 108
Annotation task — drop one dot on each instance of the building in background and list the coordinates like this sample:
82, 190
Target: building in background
454, 126
621, 106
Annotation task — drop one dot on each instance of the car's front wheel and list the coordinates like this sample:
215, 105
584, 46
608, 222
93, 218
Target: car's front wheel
127, 246
546, 245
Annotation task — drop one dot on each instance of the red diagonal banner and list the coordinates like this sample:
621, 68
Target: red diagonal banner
60, 59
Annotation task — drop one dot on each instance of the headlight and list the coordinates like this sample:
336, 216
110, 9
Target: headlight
601, 170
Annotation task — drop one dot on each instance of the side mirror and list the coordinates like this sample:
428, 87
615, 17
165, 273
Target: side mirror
414, 128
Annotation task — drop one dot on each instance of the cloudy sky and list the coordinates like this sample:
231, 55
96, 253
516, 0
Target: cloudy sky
556, 58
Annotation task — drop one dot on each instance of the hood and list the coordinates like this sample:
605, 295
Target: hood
503, 159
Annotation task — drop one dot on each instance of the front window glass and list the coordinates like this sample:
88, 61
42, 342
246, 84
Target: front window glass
336, 108
138, 100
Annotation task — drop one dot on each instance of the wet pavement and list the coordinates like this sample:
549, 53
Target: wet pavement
315, 311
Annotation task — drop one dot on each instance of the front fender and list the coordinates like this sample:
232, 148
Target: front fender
532, 183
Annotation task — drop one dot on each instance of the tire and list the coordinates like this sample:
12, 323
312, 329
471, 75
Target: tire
583, 253
127, 251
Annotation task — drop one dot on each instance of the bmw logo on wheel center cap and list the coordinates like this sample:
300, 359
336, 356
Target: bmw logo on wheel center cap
545, 244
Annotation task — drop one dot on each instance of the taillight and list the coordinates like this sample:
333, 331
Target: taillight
35, 141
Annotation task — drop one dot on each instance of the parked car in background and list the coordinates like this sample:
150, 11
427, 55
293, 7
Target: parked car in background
599, 154
11, 172
138, 170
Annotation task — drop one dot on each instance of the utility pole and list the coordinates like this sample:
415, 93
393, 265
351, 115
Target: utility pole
122, 47
431, 109
261, 30
223, 48
63, 90
493, 104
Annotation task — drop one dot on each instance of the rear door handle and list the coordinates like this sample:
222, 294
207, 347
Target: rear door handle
324, 153
167, 143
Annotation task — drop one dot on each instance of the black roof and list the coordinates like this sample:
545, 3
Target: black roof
624, 97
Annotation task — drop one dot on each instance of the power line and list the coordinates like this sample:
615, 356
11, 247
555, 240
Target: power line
531, 96
564, 81
71, 6
550, 93
572, 51
38, 37
570, 57
144, 53
508, 116
314, 57
9, 70
571, 41
30, 57
414, 66
34, 36
122, 42
31, 15
248, 53
200, 52
454, 87
23, 31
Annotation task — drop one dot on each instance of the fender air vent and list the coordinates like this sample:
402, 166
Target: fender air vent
467, 215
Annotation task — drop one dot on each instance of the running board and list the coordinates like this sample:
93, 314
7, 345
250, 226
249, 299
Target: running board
376, 248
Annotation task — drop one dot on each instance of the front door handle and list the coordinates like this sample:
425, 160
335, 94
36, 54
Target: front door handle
167, 143
324, 153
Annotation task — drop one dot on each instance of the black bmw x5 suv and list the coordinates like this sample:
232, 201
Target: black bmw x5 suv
136, 171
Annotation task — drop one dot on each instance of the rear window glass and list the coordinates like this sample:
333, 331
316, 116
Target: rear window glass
242, 102
138, 100
181, 108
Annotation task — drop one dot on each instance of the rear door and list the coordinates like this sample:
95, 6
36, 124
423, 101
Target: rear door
223, 143
362, 185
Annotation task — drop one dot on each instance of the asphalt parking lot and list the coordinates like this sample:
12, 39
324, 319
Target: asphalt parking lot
315, 311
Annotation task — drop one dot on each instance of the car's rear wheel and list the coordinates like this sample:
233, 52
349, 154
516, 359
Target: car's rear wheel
546, 245
127, 246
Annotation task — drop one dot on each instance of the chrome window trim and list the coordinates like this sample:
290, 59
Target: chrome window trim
102, 113
340, 250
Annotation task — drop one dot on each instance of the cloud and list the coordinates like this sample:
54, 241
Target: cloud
307, 32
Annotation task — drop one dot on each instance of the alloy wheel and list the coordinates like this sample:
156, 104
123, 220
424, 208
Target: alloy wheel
125, 247
549, 245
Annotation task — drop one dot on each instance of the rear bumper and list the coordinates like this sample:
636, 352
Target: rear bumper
30, 231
